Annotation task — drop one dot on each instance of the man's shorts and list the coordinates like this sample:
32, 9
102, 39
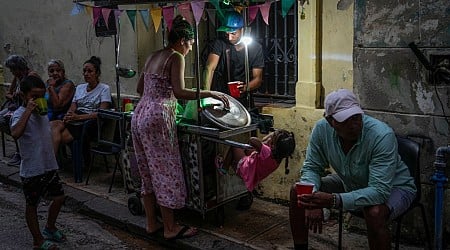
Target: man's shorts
45, 186
398, 202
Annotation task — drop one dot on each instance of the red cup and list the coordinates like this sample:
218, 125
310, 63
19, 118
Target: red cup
303, 188
234, 90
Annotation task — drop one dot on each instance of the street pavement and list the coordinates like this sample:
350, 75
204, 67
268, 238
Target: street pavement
264, 226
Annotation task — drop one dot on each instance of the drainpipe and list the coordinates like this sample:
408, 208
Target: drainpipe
439, 179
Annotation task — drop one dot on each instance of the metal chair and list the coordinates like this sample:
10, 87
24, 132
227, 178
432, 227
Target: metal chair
110, 140
409, 151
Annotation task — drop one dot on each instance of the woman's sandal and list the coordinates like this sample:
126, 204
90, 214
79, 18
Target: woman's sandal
184, 233
57, 236
46, 245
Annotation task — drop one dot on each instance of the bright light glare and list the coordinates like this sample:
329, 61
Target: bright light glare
247, 40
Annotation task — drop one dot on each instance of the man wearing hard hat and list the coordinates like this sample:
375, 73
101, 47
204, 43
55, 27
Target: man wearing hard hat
225, 60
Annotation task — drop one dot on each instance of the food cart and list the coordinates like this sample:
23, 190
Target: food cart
208, 189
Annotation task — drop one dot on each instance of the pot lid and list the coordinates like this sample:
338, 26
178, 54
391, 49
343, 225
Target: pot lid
237, 116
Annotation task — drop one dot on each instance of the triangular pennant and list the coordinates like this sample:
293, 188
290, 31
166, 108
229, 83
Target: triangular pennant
216, 5
145, 15
117, 14
105, 14
168, 16
252, 12
77, 9
96, 15
132, 16
156, 17
89, 10
197, 8
285, 6
265, 10
211, 15
185, 10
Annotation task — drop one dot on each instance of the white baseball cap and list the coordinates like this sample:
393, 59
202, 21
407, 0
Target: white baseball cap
342, 104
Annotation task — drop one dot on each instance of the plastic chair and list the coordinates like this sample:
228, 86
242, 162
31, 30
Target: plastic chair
409, 151
110, 140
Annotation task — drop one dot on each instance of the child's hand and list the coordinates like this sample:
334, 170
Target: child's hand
31, 105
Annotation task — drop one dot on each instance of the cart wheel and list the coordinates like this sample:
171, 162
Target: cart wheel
245, 202
135, 206
220, 216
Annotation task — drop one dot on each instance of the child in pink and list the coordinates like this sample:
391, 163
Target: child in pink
255, 165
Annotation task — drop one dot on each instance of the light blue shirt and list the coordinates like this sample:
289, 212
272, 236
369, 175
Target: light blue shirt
370, 169
35, 145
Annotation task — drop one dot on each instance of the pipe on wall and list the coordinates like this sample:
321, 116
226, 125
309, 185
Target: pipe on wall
439, 179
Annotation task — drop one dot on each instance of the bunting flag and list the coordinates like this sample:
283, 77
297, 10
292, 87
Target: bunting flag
285, 6
144, 16
265, 10
216, 5
132, 16
105, 14
96, 15
192, 12
168, 15
197, 8
252, 12
77, 9
156, 18
117, 14
185, 10
212, 15
89, 10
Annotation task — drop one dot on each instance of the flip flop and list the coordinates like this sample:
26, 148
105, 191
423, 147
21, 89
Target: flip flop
47, 245
182, 234
57, 235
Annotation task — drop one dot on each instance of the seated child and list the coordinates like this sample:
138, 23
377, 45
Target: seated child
255, 165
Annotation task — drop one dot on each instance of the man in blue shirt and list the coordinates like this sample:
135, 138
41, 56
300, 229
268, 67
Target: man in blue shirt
369, 173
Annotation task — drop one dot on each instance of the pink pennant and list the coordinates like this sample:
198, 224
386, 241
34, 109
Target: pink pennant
185, 10
168, 15
197, 8
265, 10
96, 14
252, 12
105, 14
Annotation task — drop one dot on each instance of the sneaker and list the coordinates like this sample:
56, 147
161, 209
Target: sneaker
15, 160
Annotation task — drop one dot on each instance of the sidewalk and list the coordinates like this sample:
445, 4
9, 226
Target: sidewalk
264, 226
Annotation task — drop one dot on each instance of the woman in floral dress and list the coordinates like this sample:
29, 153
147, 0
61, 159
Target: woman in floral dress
154, 131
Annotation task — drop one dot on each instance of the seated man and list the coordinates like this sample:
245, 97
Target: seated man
369, 172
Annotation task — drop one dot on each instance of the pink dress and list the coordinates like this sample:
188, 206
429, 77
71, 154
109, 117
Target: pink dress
156, 144
256, 166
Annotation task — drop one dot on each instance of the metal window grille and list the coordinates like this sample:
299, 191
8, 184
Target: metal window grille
279, 41
280, 45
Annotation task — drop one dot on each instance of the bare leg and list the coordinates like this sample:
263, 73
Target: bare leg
33, 225
53, 212
150, 211
297, 220
60, 135
377, 226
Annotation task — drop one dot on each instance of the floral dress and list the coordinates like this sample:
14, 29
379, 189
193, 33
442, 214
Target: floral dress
156, 144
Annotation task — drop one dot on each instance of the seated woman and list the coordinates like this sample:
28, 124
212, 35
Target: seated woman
88, 98
60, 90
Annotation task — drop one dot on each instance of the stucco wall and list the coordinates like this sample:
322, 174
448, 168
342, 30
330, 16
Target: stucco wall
394, 86
44, 29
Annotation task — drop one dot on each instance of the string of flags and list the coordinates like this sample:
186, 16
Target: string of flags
192, 11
